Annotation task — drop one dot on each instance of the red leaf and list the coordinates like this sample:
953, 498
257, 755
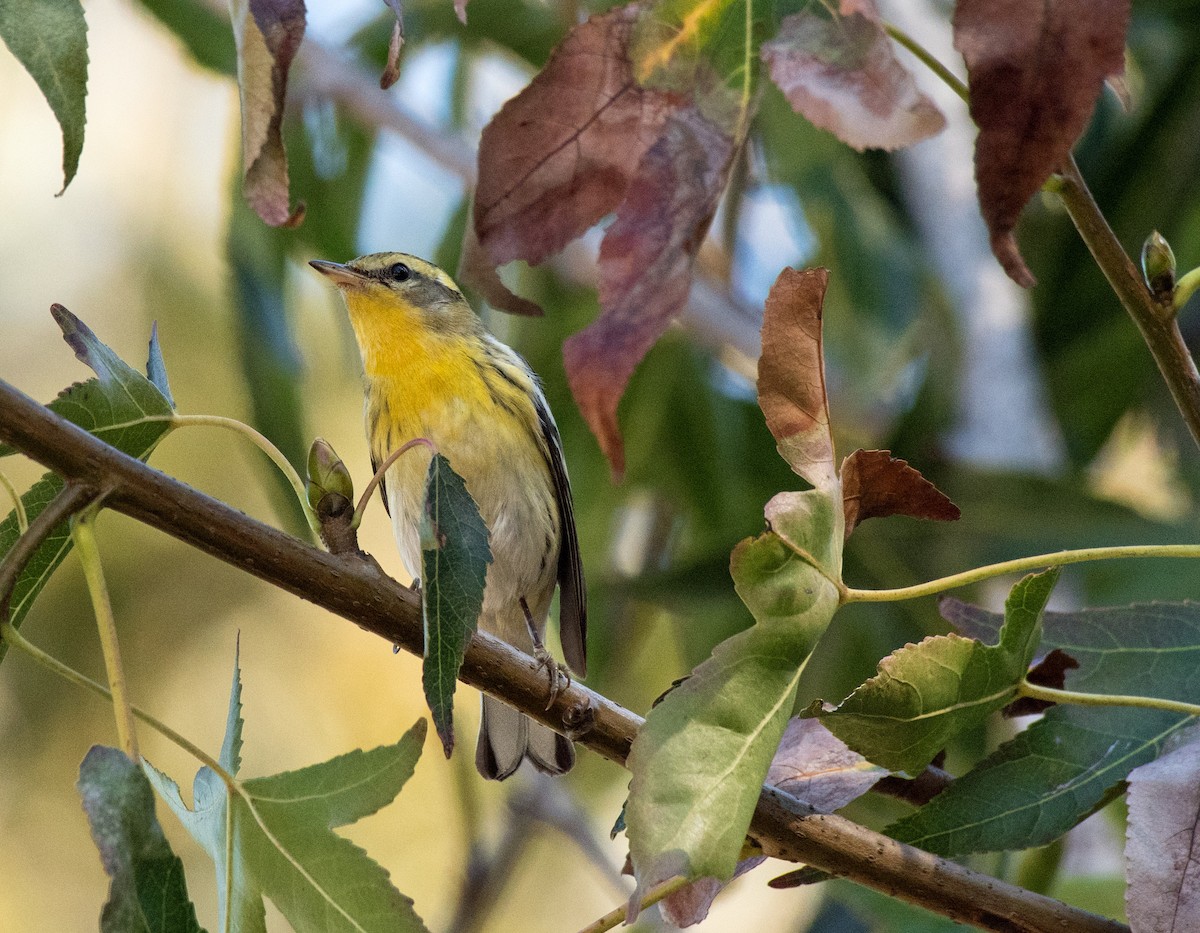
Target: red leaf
791, 375
561, 154
842, 76
646, 266
1034, 69
875, 484
268, 33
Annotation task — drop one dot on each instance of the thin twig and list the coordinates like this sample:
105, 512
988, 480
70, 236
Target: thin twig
357, 590
74, 496
1156, 321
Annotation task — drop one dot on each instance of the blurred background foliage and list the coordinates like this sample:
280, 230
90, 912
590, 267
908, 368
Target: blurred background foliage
154, 228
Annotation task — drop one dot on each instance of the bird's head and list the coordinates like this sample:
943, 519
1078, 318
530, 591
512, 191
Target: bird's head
396, 291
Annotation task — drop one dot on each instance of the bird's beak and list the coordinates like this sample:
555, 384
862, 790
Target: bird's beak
337, 272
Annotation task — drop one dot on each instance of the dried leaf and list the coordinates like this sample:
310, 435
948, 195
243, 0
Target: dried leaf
646, 267
690, 905
818, 768
475, 267
1050, 671
268, 33
391, 71
791, 375
460, 10
875, 485
1034, 70
842, 76
1162, 849
561, 154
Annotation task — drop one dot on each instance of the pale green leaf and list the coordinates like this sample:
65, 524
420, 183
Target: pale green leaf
924, 694
699, 762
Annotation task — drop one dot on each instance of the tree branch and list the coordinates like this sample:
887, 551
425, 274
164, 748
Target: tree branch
356, 589
74, 497
1156, 321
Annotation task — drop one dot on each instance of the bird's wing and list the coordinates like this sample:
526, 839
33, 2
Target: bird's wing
375, 461
572, 616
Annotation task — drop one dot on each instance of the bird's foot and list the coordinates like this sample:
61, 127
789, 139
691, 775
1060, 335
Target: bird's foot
560, 678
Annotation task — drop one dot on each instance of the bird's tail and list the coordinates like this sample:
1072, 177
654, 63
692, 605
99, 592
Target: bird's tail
506, 736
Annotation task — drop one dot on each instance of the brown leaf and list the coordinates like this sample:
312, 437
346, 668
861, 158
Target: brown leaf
646, 262
562, 153
842, 76
1050, 671
689, 905
267, 33
1034, 69
476, 269
460, 10
1162, 847
816, 767
875, 484
391, 71
791, 375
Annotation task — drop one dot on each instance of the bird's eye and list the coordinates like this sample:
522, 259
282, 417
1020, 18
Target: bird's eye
400, 272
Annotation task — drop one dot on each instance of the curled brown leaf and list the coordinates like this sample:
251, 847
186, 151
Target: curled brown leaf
791, 375
268, 34
1034, 70
875, 484
391, 71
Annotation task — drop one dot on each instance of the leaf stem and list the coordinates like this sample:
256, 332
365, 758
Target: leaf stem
1019, 565
74, 496
1155, 320
379, 474
1185, 288
615, 917
83, 532
928, 60
1025, 688
22, 518
260, 441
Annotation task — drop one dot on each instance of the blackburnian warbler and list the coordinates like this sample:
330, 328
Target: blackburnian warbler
432, 370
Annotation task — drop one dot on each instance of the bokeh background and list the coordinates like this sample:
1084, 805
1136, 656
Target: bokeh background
1040, 414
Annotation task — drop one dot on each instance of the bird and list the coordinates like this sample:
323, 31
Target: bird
432, 369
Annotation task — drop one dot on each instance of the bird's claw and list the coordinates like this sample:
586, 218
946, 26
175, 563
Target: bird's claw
560, 677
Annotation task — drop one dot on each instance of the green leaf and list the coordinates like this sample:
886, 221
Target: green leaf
454, 561
148, 893
121, 407
1034, 788
206, 35
699, 761
273, 836
924, 694
49, 37
156, 369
